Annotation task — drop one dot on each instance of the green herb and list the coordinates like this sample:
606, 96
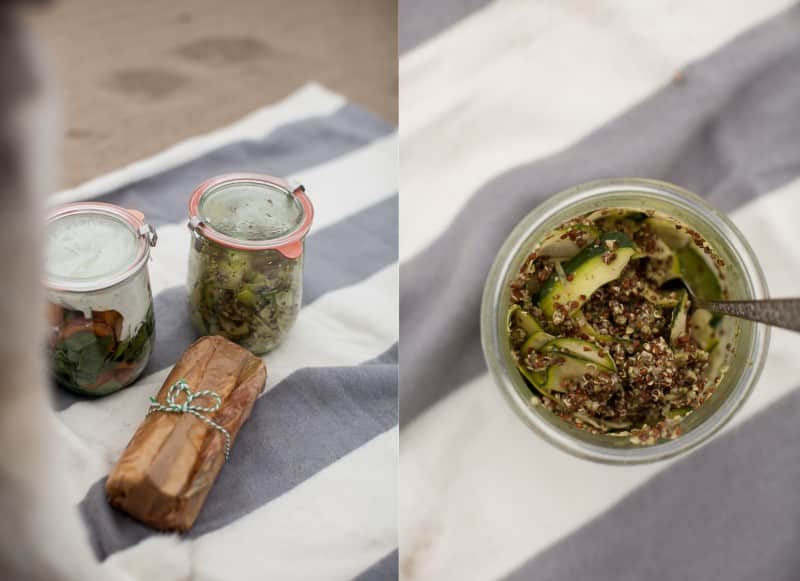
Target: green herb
92, 360
251, 298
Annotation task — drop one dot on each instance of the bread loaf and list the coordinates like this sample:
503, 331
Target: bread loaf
173, 459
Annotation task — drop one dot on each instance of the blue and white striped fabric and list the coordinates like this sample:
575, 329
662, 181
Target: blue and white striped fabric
508, 104
310, 489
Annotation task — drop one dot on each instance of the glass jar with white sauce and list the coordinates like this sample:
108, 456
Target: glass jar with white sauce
246, 259
100, 305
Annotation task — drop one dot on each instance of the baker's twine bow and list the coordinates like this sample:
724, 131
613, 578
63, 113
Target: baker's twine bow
187, 407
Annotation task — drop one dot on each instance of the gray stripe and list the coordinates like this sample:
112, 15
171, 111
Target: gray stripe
727, 129
420, 20
308, 421
370, 235
287, 150
728, 511
384, 570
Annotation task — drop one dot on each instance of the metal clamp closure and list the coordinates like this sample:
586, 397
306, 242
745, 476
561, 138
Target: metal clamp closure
194, 226
149, 233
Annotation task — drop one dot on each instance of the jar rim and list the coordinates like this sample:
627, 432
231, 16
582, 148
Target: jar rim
290, 244
133, 219
491, 316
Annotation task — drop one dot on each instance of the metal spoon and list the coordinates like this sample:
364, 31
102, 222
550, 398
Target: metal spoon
783, 313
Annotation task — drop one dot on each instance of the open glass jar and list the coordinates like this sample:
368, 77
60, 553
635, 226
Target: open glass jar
246, 258
743, 279
100, 306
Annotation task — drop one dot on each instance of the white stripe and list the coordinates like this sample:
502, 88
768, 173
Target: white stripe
338, 188
332, 526
522, 80
347, 184
482, 494
83, 461
309, 101
346, 327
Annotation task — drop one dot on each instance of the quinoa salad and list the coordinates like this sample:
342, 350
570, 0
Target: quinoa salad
603, 329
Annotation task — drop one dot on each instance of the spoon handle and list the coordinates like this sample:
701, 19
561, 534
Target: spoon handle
776, 312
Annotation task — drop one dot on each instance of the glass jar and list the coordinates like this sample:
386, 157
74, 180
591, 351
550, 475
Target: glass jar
246, 259
100, 306
743, 279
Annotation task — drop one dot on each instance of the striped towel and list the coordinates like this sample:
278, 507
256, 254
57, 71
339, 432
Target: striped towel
310, 489
503, 107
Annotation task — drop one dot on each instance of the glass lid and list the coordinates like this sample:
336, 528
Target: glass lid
89, 247
251, 210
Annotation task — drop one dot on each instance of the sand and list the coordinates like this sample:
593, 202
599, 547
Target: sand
139, 76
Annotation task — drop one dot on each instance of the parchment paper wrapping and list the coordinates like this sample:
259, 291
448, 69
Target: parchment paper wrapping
170, 464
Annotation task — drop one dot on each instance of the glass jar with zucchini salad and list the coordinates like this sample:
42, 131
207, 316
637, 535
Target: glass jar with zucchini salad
589, 327
246, 259
100, 306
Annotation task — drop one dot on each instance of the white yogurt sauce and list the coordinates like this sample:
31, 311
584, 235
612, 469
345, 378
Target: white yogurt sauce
87, 248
